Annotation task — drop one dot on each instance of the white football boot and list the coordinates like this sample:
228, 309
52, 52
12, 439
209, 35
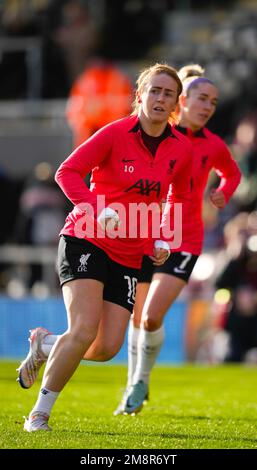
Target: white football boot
37, 422
29, 368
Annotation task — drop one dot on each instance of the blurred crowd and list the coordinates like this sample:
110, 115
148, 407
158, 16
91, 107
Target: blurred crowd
71, 32
86, 52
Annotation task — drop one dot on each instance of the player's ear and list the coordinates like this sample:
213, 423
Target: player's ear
138, 97
182, 100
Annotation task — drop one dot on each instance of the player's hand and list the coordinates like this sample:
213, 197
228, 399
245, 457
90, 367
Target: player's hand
108, 219
217, 198
161, 253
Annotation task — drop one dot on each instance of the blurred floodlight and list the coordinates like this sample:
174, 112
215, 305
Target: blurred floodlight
252, 243
222, 296
43, 171
245, 133
252, 220
40, 290
204, 267
16, 289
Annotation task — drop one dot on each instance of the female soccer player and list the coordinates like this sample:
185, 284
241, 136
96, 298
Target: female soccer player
157, 291
102, 243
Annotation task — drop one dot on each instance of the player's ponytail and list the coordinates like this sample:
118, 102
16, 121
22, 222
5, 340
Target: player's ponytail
191, 76
190, 70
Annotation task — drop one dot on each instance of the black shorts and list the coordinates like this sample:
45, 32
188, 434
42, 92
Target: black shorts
180, 264
80, 259
147, 270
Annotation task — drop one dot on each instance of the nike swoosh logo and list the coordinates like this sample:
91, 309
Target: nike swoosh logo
179, 271
127, 161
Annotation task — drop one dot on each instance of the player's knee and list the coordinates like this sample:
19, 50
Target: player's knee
110, 350
152, 324
107, 355
83, 334
104, 352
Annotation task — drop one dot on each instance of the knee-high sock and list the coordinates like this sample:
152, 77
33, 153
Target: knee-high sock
149, 345
133, 334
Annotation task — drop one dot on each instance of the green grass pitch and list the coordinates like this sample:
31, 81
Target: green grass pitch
190, 407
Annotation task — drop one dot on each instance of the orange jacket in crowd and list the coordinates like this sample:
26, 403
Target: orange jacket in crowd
101, 94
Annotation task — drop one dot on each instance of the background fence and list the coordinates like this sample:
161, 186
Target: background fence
19, 316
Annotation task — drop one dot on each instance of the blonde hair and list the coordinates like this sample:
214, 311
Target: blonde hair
188, 74
191, 70
147, 74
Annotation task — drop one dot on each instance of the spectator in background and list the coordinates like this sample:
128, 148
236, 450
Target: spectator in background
245, 147
18, 19
76, 33
101, 94
240, 278
100, 91
9, 191
132, 29
69, 40
42, 208
73, 31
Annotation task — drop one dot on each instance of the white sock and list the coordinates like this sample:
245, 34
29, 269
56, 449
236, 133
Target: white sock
149, 345
133, 334
45, 402
47, 343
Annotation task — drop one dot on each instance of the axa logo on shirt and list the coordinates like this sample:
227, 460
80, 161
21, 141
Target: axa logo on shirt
83, 262
145, 187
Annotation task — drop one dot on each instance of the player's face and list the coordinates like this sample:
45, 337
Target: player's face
199, 106
158, 99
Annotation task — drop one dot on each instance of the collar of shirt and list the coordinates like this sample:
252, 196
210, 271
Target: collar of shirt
188, 132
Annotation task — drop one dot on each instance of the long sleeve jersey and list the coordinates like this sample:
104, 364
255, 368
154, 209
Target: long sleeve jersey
209, 152
125, 174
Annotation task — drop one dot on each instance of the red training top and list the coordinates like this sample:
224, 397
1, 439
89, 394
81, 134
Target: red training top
124, 171
209, 152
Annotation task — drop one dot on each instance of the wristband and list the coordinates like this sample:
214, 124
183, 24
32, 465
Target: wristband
162, 244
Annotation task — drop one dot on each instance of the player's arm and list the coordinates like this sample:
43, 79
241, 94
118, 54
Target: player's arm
71, 173
230, 175
177, 209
